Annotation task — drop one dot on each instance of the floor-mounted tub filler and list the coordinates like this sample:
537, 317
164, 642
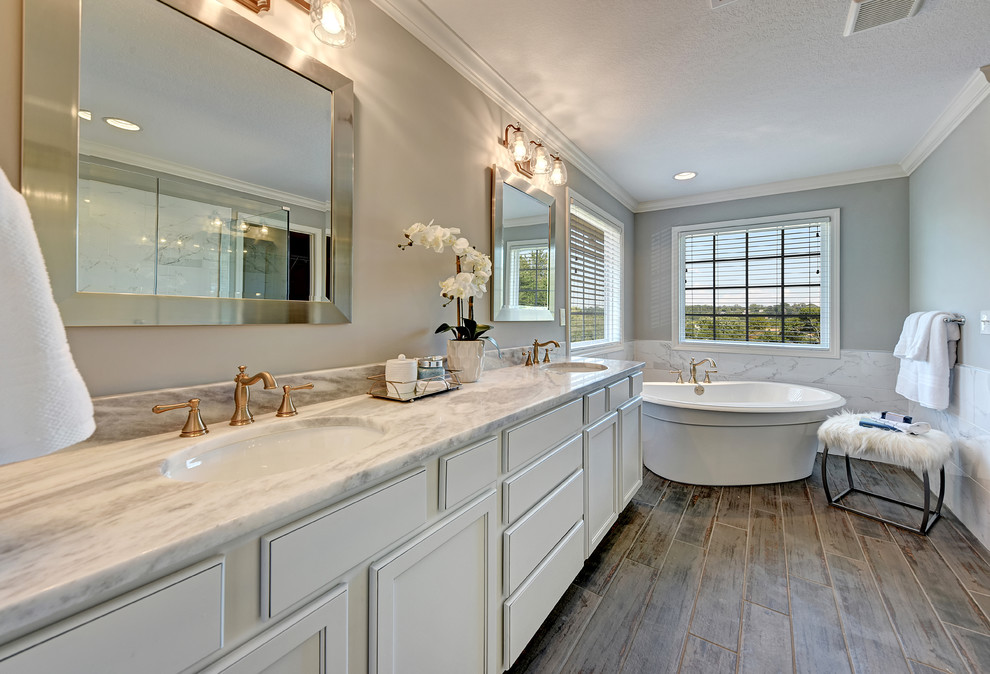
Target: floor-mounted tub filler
735, 432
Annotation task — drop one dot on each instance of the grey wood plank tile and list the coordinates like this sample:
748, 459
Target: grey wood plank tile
766, 570
733, 507
918, 668
868, 478
604, 644
838, 536
805, 555
701, 657
659, 641
547, 652
818, 642
766, 497
838, 482
718, 609
976, 544
870, 638
923, 637
601, 566
961, 557
766, 642
950, 599
699, 516
975, 648
652, 488
983, 601
651, 546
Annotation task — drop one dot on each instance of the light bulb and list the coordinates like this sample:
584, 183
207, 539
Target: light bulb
519, 147
541, 162
558, 176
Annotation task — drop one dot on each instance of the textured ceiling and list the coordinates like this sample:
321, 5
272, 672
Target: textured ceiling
754, 92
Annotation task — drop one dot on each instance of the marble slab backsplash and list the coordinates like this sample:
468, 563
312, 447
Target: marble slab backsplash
864, 378
128, 416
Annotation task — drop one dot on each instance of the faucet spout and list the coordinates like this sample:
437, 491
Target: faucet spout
242, 394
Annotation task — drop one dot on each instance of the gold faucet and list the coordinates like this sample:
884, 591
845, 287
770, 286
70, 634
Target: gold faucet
694, 369
242, 395
534, 358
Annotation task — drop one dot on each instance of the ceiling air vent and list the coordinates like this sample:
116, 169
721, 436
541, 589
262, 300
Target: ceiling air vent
866, 14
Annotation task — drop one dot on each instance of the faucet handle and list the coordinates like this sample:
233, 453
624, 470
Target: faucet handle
680, 378
708, 379
287, 409
546, 354
194, 426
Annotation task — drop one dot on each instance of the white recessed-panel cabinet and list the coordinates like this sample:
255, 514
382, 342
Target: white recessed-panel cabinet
601, 463
630, 449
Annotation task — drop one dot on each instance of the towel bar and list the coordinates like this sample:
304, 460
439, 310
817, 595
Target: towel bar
961, 320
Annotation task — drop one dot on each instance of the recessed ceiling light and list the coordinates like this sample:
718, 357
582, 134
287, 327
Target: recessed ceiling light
85, 114
685, 175
121, 124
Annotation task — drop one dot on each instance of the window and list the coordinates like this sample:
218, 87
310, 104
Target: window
529, 274
594, 272
764, 285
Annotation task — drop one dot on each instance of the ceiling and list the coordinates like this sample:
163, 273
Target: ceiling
756, 96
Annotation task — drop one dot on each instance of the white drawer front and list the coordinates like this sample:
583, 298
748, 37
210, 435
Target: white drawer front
162, 627
595, 406
526, 610
467, 471
530, 439
636, 382
524, 490
529, 540
305, 556
618, 393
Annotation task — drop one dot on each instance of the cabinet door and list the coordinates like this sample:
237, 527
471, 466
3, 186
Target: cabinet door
433, 600
601, 463
630, 449
313, 640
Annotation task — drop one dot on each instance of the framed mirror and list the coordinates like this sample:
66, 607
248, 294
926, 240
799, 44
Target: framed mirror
184, 166
523, 219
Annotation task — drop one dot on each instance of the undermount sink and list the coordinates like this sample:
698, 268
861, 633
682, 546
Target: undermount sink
574, 366
236, 458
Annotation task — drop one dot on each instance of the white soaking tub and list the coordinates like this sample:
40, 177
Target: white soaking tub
735, 432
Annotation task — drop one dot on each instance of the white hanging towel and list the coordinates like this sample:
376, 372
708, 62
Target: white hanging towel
44, 403
927, 351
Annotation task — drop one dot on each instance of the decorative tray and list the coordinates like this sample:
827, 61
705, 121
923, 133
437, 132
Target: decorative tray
383, 388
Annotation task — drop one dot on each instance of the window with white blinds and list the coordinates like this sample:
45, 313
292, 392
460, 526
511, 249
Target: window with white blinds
761, 285
594, 273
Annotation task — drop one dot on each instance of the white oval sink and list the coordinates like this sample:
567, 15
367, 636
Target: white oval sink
574, 366
230, 458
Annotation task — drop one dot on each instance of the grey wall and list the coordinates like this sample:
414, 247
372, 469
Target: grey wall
950, 231
873, 256
424, 141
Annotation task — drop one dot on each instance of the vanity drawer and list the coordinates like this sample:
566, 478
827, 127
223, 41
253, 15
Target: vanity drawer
467, 471
618, 393
525, 611
595, 406
529, 540
636, 384
524, 490
299, 559
531, 438
164, 627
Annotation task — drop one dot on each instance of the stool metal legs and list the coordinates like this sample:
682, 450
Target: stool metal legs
928, 518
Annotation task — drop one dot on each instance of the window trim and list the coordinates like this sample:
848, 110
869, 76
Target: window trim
593, 346
831, 260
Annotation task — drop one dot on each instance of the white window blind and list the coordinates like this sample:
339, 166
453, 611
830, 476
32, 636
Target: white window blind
762, 283
594, 273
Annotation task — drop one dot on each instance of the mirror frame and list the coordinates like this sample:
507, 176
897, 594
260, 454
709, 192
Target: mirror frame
50, 168
500, 177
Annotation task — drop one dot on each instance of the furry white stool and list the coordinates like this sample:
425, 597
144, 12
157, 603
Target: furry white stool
919, 452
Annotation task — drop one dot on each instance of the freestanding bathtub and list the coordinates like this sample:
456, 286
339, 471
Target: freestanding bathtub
735, 432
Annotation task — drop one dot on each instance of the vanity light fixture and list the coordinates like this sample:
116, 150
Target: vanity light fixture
333, 21
685, 175
518, 144
540, 163
119, 123
85, 114
532, 157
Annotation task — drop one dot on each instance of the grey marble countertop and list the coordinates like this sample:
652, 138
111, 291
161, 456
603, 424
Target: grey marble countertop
89, 522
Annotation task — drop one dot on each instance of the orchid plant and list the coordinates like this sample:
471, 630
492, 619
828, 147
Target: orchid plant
473, 271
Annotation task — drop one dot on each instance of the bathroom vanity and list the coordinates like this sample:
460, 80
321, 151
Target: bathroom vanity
441, 546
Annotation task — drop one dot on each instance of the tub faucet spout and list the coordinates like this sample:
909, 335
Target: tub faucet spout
694, 368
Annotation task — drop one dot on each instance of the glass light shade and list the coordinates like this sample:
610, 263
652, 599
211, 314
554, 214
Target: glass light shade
519, 147
541, 162
558, 175
333, 22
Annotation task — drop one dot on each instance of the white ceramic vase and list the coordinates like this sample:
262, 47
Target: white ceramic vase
467, 356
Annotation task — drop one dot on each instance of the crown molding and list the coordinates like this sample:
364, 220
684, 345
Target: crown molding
439, 38
781, 187
976, 89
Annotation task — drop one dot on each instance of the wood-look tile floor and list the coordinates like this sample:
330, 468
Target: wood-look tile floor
771, 579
